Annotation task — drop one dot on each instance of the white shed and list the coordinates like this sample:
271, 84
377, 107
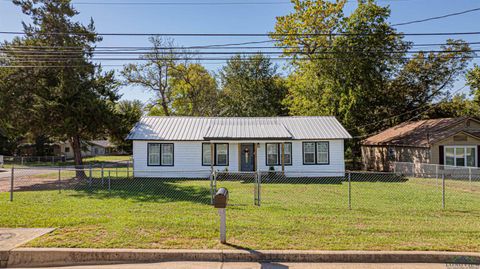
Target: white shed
194, 146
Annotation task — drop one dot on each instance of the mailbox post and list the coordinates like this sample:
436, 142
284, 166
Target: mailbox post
220, 202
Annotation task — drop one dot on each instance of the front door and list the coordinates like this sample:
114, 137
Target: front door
247, 157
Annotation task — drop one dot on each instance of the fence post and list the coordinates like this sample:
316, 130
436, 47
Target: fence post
109, 184
255, 188
213, 185
116, 171
103, 174
215, 182
470, 177
11, 183
21, 160
259, 188
59, 181
443, 191
349, 190
211, 188
436, 174
128, 169
90, 173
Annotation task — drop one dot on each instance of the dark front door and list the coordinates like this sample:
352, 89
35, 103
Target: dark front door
247, 157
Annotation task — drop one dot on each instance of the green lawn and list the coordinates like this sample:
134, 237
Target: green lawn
308, 215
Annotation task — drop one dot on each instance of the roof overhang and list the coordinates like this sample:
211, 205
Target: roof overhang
467, 133
247, 138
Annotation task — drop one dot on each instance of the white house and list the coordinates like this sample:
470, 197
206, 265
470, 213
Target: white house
194, 146
89, 148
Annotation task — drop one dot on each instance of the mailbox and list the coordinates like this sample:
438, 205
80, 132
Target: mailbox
221, 198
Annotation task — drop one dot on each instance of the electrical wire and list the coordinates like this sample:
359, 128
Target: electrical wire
22, 53
430, 107
245, 34
437, 17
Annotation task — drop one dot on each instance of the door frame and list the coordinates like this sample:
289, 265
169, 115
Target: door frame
254, 146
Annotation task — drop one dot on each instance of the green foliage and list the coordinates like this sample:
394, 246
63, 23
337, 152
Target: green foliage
426, 78
473, 80
128, 114
194, 91
362, 76
68, 99
457, 106
251, 87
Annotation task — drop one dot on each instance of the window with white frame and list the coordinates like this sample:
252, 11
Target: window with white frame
221, 154
316, 152
461, 156
322, 153
274, 154
309, 153
167, 154
160, 154
206, 154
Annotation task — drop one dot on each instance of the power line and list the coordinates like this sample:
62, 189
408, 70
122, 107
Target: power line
167, 3
199, 47
430, 107
246, 34
169, 52
201, 55
184, 3
204, 3
438, 17
59, 60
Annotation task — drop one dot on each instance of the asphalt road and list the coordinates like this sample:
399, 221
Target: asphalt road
218, 265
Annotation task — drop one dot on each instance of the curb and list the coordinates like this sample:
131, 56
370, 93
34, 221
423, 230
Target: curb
42, 257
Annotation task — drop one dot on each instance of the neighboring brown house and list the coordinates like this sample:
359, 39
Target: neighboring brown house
447, 141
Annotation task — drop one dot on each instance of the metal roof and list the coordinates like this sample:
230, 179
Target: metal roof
236, 128
246, 128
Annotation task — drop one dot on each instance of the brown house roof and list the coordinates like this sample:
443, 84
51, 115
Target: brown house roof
419, 133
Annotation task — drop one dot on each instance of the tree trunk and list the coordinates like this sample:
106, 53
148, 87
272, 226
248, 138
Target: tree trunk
77, 156
165, 107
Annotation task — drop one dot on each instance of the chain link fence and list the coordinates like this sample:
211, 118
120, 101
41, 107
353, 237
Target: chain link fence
408, 189
54, 161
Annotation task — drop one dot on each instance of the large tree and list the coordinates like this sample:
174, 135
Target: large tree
128, 114
65, 95
194, 91
155, 73
459, 105
473, 80
358, 67
251, 87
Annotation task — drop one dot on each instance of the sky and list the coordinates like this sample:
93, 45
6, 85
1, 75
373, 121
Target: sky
190, 18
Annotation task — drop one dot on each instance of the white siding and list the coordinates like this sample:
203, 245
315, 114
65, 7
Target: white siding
188, 160
336, 167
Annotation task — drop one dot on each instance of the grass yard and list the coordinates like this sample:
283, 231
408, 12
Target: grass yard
176, 214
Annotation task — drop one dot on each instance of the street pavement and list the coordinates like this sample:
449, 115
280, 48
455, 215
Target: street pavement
243, 265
